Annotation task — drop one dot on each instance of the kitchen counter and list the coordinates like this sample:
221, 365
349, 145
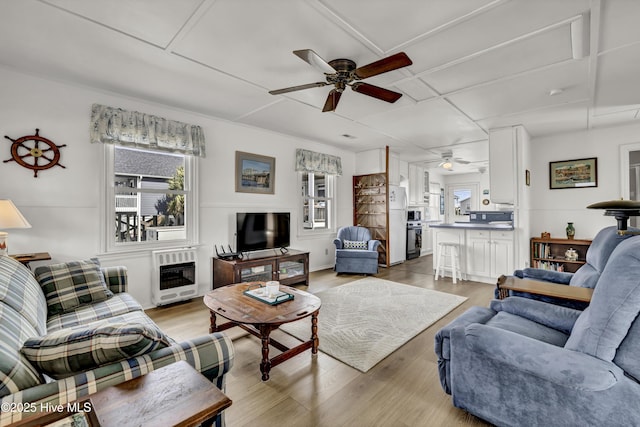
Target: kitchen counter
485, 250
472, 226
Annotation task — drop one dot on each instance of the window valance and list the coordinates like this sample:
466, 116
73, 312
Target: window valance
118, 126
311, 161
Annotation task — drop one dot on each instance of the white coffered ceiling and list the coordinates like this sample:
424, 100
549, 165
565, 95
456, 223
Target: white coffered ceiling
477, 64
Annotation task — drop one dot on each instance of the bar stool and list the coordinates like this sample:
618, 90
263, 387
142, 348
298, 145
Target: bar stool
448, 249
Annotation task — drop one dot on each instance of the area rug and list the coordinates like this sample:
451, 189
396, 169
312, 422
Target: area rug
362, 322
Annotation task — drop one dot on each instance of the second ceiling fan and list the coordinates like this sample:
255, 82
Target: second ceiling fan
343, 72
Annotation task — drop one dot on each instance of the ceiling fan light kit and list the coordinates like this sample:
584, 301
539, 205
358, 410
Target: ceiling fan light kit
448, 160
343, 72
446, 164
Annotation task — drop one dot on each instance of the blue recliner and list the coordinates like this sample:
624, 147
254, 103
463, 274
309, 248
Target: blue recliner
355, 251
527, 362
586, 276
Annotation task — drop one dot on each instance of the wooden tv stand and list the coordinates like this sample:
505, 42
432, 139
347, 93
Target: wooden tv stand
289, 268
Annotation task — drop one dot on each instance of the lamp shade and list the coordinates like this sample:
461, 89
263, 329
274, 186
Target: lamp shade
10, 216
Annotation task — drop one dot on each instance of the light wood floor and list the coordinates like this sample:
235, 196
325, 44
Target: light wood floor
402, 390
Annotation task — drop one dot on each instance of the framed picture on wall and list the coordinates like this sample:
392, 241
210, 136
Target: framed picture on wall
577, 173
255, 173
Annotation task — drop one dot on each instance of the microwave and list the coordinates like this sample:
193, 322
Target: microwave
413, 215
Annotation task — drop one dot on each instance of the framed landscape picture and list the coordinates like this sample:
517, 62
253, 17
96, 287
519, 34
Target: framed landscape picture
255, 173
577, 173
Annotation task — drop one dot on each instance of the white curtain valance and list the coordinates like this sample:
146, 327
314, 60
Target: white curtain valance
310, 161
118, 126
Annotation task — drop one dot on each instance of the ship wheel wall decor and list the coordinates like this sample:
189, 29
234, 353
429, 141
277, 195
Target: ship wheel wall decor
35, 152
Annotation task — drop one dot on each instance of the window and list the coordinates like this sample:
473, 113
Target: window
317, 201
149, 198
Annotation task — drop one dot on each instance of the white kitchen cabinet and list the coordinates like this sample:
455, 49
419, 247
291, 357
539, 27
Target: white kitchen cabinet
416, 185
404, 172
427, 240
394, 169
489, 253
479, 252
502, 253
434, 202
502, 165
426, 195
507, 151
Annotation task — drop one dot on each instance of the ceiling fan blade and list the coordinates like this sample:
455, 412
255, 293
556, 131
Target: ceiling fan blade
461, 161
294, 88
390, 63
376, 92
314, 60
332, 101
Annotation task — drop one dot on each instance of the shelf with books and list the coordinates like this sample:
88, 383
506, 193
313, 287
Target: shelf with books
549, 254
370, 208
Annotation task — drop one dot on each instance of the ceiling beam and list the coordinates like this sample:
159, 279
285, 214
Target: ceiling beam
592, 77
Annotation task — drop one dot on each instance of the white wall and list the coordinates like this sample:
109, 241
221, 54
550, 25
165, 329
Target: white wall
63, 205
552, 209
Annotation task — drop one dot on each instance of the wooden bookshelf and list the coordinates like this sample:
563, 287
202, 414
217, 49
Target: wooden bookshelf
370, 210
548, 254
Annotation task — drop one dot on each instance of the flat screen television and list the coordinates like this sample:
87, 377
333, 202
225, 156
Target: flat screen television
262, 230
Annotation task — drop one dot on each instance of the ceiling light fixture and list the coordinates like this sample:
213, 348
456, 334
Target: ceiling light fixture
554, 92
447, 164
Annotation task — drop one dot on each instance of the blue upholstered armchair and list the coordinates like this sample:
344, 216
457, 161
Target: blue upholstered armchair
355, 251
527, 362
587, 276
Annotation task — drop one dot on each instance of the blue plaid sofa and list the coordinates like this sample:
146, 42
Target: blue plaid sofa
59, 344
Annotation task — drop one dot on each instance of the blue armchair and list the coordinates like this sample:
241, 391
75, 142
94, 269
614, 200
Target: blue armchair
587, 276
527, 362
356, 252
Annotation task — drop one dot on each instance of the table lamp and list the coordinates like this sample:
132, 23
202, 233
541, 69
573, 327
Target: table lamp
10, 217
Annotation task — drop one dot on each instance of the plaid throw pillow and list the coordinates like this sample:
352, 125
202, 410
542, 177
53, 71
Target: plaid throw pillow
69, 285
354, 244
69, 351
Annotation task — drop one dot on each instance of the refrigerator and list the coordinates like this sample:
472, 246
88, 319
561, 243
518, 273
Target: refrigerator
397, 224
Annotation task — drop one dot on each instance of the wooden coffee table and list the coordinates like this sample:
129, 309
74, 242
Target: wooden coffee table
260, 318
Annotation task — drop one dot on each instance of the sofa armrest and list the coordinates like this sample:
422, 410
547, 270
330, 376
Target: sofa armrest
560, 277
566, 368
116, 278
212, 355
474, 314
551, 315
540, 287
373, 245
338, 243
442, 341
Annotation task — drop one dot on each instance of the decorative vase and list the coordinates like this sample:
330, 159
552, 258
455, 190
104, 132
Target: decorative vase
571, 232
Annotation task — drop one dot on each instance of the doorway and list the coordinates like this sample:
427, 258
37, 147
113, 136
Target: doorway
460, 200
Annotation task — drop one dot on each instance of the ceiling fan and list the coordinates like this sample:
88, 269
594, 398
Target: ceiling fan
448, 160
343, 72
